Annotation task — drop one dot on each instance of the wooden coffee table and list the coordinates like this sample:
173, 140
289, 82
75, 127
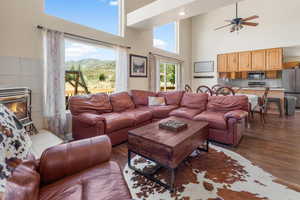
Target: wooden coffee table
166, 148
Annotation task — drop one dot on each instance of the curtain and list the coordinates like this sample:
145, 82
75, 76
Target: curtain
121, 69
153, 72
179, 76
54, 109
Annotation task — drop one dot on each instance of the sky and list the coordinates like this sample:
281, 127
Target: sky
102, 15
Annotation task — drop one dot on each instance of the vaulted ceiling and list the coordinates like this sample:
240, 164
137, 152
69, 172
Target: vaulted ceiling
160, 12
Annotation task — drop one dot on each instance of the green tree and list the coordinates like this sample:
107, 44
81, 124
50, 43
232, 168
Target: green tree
102, 77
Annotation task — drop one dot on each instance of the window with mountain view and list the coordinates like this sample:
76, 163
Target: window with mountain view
165, 37
99, 14
89, 68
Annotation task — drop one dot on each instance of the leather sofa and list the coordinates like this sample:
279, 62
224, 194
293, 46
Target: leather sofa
114, 115
75, 171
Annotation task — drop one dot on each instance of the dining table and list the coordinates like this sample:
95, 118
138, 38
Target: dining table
252, 98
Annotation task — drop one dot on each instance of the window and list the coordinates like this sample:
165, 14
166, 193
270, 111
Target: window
99, 14
165, 37
89, 68
168, 76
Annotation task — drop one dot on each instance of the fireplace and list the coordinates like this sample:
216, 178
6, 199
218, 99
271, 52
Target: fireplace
18, 100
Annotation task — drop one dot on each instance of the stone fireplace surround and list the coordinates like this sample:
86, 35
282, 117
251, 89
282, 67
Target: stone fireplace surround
24, 72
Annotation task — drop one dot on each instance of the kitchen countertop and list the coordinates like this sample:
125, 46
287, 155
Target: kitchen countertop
262, 88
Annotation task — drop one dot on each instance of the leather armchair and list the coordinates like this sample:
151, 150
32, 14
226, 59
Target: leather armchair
77, 170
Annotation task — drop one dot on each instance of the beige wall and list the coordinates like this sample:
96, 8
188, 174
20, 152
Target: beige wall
21, 48
279, 27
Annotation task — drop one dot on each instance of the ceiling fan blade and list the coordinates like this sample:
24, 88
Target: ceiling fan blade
249, 23
222, 27
250, 18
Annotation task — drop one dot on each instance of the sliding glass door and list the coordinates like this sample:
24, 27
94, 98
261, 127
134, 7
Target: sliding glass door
168, 76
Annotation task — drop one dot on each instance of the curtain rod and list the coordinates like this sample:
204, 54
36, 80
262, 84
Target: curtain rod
85, 38
155, 54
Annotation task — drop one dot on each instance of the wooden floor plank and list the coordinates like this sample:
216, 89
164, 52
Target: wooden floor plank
275, 147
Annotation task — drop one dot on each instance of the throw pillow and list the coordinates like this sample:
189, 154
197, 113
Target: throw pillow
14, 144
156, 101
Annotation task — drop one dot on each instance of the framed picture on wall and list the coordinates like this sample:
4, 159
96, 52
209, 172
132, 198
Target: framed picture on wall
138, 66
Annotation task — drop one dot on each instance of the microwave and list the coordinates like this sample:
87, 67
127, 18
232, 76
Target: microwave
256, 75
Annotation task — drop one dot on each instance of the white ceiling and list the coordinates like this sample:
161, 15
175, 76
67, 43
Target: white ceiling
161, 12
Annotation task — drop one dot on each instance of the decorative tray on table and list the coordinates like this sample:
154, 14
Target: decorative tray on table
173, 125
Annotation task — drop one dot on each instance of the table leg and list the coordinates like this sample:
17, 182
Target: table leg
169, 186
206, 147
172, 179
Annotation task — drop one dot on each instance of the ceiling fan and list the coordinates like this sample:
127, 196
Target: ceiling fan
238, 23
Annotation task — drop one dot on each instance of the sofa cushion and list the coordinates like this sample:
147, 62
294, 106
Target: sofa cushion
194, 100
185, 112
93, 183
172, 98
140, 97
156, 101
227, 103
140, 115
117, 121
121, 101
162, 111
94, 103
215, 119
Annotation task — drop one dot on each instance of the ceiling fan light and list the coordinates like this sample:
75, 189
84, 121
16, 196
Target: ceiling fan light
182, 13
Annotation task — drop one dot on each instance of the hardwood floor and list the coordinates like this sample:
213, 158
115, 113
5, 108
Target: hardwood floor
275, 147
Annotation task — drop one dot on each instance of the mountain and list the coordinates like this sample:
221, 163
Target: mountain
91, 63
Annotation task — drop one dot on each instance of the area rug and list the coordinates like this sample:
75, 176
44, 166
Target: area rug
218, 175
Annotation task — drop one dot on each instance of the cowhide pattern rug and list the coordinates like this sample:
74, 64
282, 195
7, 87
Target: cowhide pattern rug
218, 175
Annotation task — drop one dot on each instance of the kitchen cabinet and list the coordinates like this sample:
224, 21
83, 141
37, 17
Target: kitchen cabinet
222, 63
232, 62
271, 74
244, 61
244, 75
274, 59
247, 61
258, 60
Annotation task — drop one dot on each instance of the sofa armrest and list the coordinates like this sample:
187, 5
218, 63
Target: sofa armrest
236, 114
89, 118
87, 125
24, 182
67, 159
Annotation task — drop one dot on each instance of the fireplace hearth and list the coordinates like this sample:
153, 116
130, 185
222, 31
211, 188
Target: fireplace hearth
18, 100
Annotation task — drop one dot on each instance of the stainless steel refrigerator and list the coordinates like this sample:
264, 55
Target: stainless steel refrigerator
291, 83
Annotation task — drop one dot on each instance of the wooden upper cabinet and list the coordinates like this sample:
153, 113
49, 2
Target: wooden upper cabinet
232, 62
222, 63
258, 60
274, 59
245, 61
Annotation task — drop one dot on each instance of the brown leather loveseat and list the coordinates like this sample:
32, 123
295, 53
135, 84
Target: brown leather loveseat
114, 115
75, 171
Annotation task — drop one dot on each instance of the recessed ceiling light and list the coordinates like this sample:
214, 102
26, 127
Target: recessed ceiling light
182, 13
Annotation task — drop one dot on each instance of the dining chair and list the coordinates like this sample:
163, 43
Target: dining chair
225, 91
262, 106
187, 88
215, 88
204, 89
237, 89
